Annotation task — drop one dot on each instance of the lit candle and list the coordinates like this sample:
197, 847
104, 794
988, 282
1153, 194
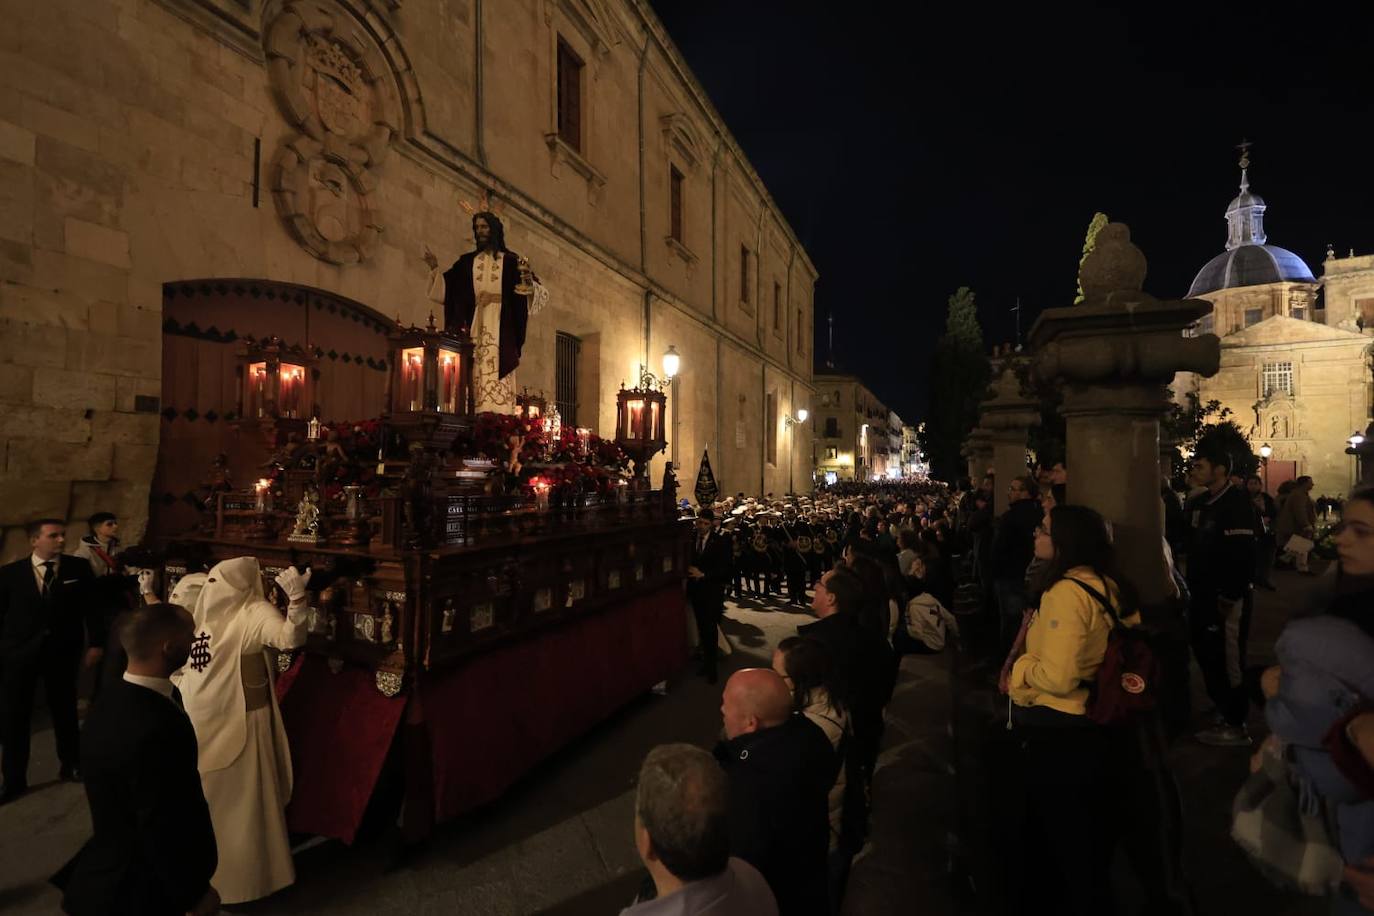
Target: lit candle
448, 383
312, 429
262, 490
584, 439
636, 415
541, 494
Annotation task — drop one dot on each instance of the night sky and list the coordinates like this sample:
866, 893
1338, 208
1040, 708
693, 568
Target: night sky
921, 150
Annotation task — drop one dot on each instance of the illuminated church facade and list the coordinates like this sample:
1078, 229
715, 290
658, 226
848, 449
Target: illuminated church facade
1295, 348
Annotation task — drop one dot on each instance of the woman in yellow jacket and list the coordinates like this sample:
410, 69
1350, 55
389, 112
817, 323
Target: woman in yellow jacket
1065, 757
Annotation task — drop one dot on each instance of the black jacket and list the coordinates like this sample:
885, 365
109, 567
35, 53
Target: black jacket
1221, 552
708, 593
779, 782
1014, 544
72, 617
153, 851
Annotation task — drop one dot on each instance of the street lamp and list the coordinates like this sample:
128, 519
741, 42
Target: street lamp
789, 421
672, 362
1265, 452
1355, 441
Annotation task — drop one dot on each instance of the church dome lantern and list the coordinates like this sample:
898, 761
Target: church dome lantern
1248, 259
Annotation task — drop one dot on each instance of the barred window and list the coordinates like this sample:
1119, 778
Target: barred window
567, 350
1276, 378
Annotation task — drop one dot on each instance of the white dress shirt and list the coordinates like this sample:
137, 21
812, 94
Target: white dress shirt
160, 684
38, 569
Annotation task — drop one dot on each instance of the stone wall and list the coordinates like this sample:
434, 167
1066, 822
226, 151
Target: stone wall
1346, 282
1269, 299
140, 142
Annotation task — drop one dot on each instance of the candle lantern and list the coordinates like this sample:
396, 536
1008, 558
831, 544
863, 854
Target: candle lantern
531, 406
430, 387
277, 381
639, 421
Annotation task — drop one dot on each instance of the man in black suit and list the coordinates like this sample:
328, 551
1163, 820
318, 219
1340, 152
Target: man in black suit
707, 577
153, 851
780, 766
48, 611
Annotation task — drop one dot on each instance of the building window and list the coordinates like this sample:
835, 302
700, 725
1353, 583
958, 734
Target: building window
801, 346
567, 350
1253, 316
771, 435
777, 306
832, 428
744, 274
1299, 312
569, 96
831, 453
675, 204
1276, 378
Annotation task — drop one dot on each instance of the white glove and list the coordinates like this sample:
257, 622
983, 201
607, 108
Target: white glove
293, 583
145, 581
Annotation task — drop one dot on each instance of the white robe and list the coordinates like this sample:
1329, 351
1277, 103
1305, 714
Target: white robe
490, 391
245, 761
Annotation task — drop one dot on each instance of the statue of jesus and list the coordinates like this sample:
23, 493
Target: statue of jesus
490, 294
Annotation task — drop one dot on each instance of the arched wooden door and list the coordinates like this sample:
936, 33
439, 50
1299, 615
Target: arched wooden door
205, 326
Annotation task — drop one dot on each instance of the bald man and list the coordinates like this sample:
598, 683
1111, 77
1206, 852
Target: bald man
153, 852
780, 766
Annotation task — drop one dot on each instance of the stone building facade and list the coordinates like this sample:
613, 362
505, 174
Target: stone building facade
325, 144
1295, 368
852, 433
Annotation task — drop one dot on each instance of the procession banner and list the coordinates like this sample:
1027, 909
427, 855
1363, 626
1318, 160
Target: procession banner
707, 492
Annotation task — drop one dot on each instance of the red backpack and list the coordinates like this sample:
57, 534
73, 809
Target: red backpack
1128, 680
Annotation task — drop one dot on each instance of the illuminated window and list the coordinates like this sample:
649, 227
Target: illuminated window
831, 453
1276, 378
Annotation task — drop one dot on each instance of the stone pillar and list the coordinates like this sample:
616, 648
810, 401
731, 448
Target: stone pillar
978, 451
1007, 417
1113, 356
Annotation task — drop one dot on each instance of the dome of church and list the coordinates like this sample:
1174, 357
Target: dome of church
1248, 259
1250, 265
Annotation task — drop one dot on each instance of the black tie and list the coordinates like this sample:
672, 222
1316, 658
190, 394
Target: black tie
701, 544
49, 572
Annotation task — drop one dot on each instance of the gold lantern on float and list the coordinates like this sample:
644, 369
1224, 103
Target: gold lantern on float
277, 382
429, 397
639, 413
